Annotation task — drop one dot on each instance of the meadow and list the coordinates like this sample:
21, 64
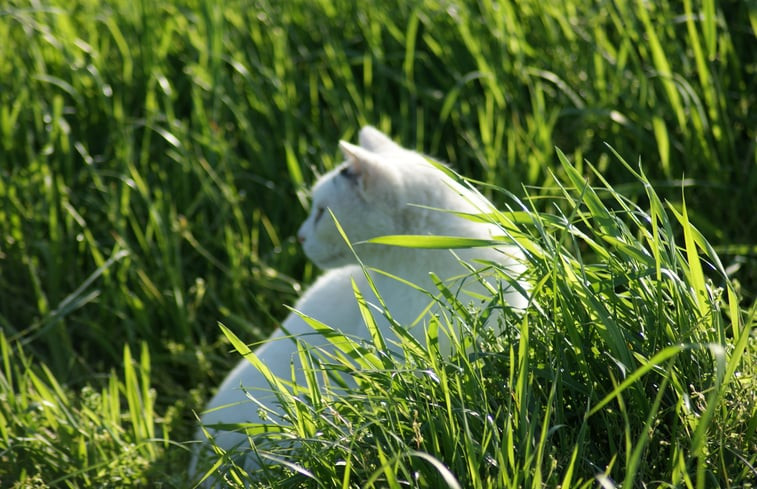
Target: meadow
154, 165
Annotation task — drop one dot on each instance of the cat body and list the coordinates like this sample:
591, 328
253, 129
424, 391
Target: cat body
381, 189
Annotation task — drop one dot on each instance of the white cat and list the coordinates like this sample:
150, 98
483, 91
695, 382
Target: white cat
381, 189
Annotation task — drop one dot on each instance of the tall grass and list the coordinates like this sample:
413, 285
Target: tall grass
629, 368
154, 156
52, 437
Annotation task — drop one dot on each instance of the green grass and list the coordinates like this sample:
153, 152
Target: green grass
153, 165
631, 368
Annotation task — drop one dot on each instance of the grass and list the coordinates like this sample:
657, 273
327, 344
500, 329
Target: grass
627, 369
153, 161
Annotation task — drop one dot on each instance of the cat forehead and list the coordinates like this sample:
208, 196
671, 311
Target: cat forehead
328, 184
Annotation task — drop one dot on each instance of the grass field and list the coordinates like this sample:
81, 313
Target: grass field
154, 161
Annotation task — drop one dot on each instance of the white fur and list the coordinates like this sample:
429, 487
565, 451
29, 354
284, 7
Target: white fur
381, 189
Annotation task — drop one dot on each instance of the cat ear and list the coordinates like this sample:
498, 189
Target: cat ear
375, 140
363, 166
359, 159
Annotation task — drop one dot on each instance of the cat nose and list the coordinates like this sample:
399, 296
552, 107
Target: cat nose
300, 238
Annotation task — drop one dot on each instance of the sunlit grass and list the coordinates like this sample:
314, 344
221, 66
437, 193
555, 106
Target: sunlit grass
624, 369
91, 438
153, 165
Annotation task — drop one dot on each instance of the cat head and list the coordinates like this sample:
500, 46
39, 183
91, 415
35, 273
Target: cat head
361, 193
372, 194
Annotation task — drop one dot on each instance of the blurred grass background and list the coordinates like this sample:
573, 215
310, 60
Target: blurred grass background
154, 156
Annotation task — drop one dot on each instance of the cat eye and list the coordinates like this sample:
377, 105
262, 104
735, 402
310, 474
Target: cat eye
318, 214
